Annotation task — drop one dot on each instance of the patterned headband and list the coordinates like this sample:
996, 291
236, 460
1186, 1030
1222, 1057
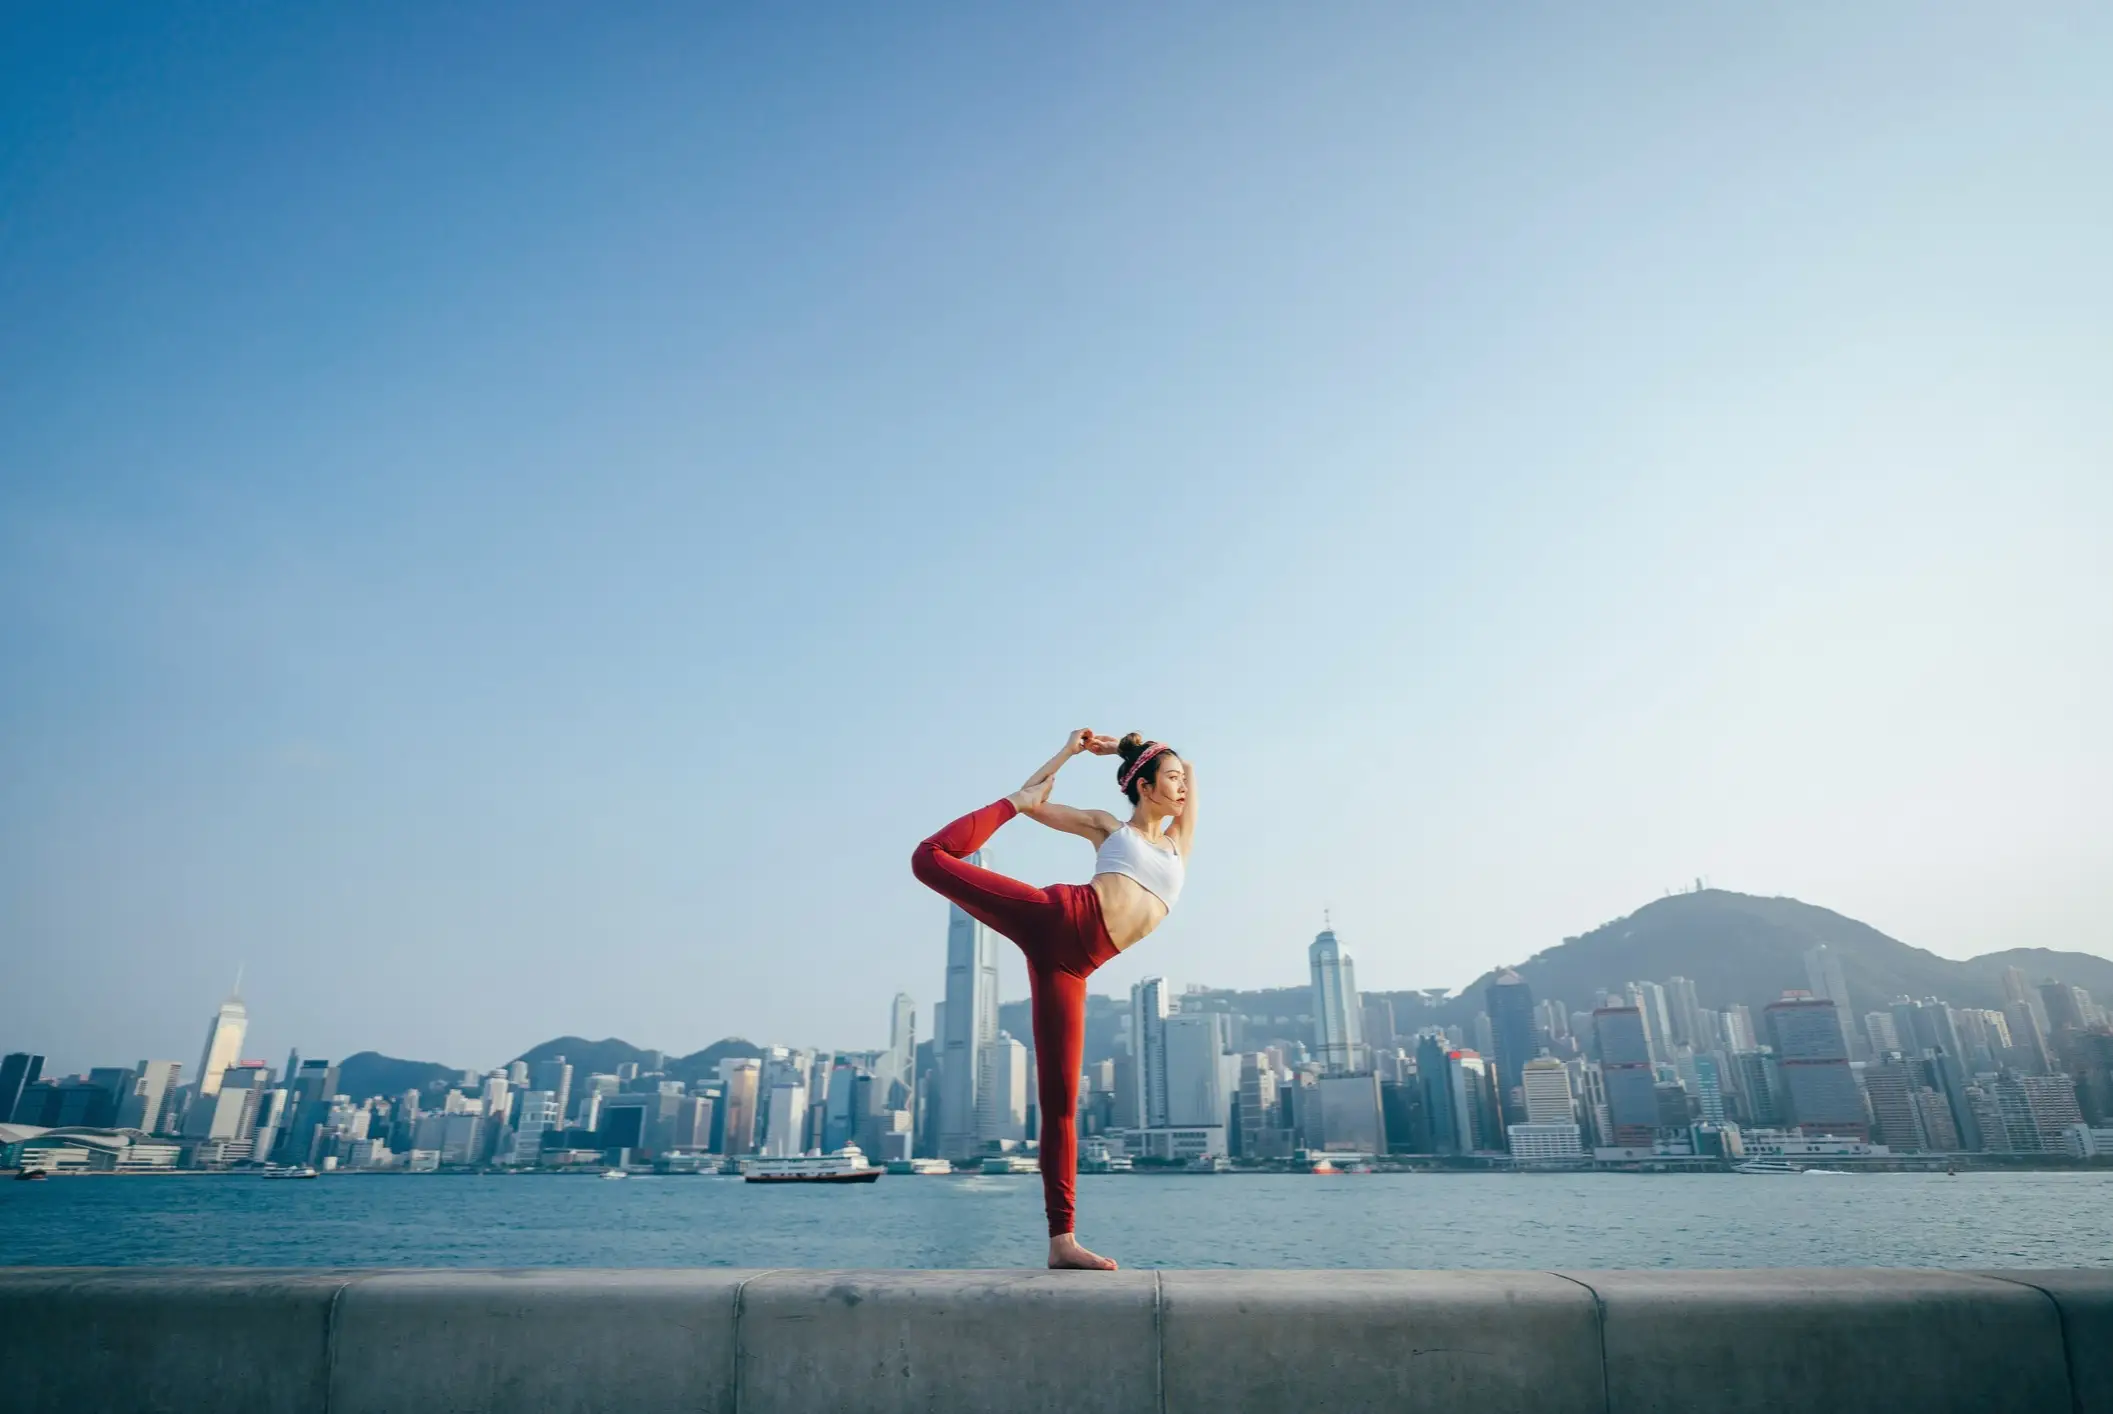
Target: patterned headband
1122, 782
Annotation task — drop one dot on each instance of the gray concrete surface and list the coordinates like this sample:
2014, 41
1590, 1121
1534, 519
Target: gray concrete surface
738, 1342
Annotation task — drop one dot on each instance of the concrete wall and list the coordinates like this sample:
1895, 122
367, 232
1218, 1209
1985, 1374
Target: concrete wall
1218, 1342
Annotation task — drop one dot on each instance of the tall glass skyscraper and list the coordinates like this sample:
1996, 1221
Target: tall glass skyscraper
971, 1021
1338, 1020
1510, 1004
223, 1041
1627, 1074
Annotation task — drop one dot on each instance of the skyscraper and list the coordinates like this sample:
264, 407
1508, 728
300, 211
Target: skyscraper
740, 1079
1813, 1062
1202, 1076
1003, 1090
1510, 1003
1627, 1075
18, 1071
223, 1041
898, 1064
1434, 1076
1151, 1004
142, 1107
1338, 1020
1544, 1086
971, 1020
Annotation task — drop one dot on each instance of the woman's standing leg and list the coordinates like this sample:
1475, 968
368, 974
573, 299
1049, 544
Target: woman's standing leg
1060, 1050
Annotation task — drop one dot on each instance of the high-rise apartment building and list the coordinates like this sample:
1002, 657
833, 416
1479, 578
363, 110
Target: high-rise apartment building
1510, 1004
1882, 1034
971, 1019
223, 1041
1338, 1020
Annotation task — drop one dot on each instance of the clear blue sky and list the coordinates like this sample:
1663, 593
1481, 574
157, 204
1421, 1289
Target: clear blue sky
513, 520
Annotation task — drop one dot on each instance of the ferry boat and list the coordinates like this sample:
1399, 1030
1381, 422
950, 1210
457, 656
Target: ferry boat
289, 1171
846, 1165
1011, 1163
1766, 1166
925, 1168
614, 1173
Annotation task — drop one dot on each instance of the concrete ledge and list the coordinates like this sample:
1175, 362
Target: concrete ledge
733, 1342
2085, 1300
1760, 1341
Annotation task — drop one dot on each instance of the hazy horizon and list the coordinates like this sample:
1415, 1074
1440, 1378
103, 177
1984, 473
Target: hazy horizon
512, 523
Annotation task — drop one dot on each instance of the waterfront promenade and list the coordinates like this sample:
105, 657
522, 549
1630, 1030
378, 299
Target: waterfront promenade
772, 1342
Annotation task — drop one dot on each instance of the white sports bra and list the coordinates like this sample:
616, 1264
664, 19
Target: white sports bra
1130, 854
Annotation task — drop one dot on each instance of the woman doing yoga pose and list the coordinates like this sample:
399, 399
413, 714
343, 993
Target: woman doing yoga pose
1068, 930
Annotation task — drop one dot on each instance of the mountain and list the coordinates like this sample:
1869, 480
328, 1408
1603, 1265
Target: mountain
604, 1056
369, 1073
1743, 948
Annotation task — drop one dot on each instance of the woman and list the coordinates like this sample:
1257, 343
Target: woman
1068, 930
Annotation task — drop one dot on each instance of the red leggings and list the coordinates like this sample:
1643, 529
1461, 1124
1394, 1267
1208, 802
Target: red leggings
1060, 930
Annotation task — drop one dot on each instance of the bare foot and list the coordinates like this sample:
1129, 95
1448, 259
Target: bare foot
1027, 797
1065, 1252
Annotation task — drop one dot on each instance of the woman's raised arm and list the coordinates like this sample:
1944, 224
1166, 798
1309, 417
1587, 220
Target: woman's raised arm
1032, 799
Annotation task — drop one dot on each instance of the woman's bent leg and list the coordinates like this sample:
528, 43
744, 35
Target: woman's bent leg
1015, 909
1060, 1049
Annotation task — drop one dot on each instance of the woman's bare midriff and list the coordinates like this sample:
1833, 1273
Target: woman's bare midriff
1129, 910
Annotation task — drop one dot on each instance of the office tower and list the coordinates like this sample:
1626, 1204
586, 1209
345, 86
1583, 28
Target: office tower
1510, 1004
739, 1080
18, 1071
1201, 1073
1627, 1075
1813, 1063
143, 1104
223, 1041
1379, 1025
1259, 1115
1880, 1031
839, 1103
788, 1117
971, 1025
1686, 1012
1671, 1100
1151, 1003
1544, 1088
897, 1065
1338, 1020
2064, 1006
1473, 1101
554, 1078
2028, 1043
1002, 1091
1349, 1114
308, 1109
1434, 1078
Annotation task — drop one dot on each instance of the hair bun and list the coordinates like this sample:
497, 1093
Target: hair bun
1130, 747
